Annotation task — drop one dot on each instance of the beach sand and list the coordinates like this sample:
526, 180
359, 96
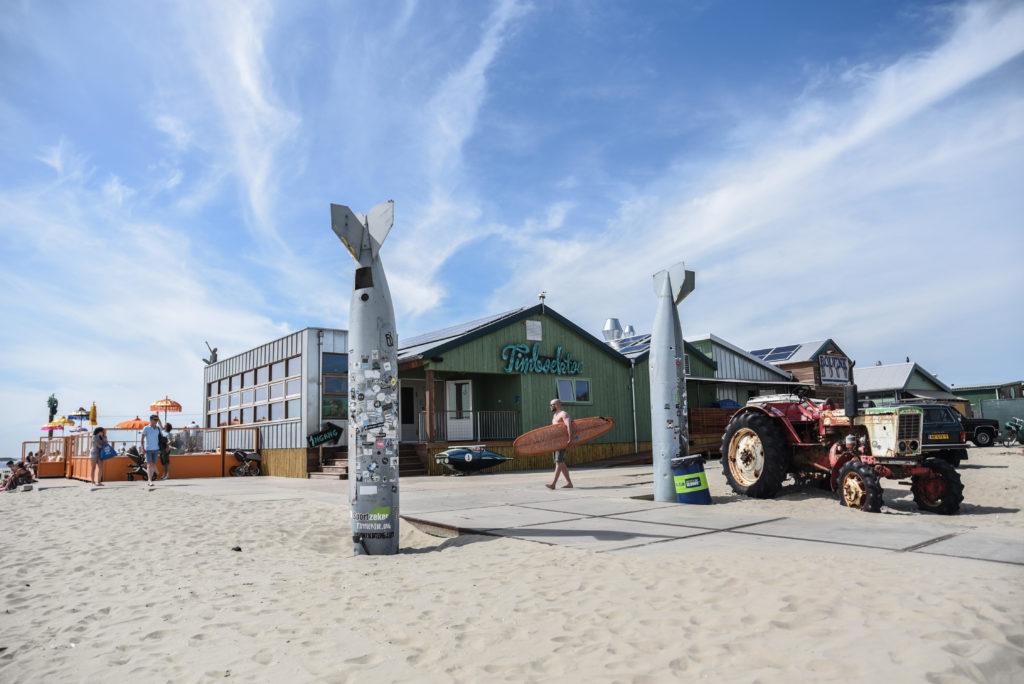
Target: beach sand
124, 584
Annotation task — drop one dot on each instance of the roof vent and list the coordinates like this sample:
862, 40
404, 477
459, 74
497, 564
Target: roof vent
612, 330
628, 331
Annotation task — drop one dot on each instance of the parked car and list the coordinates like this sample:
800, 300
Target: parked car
981, 431
944, 435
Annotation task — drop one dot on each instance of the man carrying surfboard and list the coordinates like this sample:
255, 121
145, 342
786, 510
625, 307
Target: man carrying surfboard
560, 468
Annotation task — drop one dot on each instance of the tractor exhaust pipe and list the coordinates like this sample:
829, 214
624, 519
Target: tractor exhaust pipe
850, 400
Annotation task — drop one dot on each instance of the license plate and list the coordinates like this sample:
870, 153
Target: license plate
941, 435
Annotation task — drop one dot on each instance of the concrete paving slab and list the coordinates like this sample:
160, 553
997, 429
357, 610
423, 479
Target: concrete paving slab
860, 530
595, 505
492, 517
980, 546
716, 542
596, 534
694, 516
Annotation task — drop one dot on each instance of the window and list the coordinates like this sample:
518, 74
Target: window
261, 413
247, 414
277, 411
236, 383
335, 385
293, 408
248, 378
261, 394
211, 420
211, 405
293, 387
222, 402
294, 366
336, 364
235, 417
574, 391
263, 375
336, 407
234, 399
222, 418
247, 397
223, 386
277, 371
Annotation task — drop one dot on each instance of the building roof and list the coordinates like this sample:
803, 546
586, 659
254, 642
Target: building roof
434, 343
893, 376
795, 353
715, 339
993, 385
638, 347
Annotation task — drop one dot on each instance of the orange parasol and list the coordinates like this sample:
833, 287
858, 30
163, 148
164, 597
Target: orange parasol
136, 424
166, 405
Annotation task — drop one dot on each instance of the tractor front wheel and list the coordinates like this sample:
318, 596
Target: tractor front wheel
940, 492
859, 487
754, 456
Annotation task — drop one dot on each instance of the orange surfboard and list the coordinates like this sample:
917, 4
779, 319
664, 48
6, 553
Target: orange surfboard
554, 437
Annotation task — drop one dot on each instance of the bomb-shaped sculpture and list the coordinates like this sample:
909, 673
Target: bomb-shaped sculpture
669, 429
373, 384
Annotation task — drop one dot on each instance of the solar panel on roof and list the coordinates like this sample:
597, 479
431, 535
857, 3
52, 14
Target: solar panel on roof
776, 353
761, 353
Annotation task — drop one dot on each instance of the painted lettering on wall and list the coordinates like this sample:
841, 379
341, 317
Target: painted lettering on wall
522, 358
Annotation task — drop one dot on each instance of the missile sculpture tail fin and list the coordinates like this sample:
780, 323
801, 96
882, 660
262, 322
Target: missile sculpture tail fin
349, 227
680, 282
357, 231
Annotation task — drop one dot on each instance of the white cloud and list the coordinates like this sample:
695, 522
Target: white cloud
852, 209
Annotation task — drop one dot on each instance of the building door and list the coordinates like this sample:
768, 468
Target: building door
413, 411
459, 410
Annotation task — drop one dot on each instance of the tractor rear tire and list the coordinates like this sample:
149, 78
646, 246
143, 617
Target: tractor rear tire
945, 503
860, 487
755, 457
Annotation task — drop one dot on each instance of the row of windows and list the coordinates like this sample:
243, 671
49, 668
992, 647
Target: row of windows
257, 395
259, 376
279, 410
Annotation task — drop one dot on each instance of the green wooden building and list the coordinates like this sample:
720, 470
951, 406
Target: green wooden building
490, 380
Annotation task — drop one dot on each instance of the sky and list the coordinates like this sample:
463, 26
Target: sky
829, 170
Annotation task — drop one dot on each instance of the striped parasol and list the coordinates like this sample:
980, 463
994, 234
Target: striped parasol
167, 405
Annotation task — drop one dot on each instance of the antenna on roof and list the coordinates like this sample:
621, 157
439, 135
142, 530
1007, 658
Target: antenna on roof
542, 296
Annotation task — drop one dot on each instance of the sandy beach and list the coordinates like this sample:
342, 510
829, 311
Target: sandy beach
125, 584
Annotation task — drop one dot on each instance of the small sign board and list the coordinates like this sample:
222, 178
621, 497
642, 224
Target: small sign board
835, 370
329, 435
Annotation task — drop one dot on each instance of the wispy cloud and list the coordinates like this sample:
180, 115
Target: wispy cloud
890, 154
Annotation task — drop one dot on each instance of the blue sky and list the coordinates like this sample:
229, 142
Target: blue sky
846, 170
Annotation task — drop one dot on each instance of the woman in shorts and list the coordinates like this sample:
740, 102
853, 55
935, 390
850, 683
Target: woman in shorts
99, 440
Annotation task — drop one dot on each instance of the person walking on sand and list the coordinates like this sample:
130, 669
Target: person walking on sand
165, 452
99, 440
151, 446
560, 468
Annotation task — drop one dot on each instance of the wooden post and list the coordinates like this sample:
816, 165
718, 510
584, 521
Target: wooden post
223, 439
430, 406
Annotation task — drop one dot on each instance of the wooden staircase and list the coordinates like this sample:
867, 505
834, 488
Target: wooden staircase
409, 463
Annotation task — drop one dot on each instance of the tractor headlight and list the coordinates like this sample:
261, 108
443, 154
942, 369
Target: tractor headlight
914, 445
903, 446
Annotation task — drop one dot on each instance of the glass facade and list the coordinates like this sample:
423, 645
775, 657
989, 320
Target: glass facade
266, 391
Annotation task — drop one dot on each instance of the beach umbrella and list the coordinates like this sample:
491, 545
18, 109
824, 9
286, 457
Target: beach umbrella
79, 415
166, 405
92, 415
50, 427
136, 424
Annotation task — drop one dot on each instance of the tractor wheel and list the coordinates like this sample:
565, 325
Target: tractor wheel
754, 456
983, 438
859, 487
942, 492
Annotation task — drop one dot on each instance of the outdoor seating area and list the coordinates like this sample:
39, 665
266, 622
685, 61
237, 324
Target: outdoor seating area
199, 452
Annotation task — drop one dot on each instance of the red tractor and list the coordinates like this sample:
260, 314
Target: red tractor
847, 451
